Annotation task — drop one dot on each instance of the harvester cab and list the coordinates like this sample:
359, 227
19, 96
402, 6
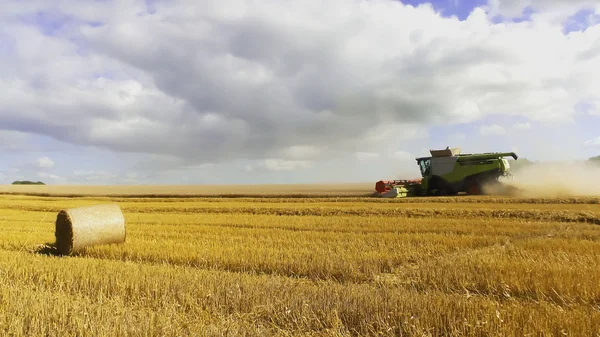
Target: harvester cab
449, 172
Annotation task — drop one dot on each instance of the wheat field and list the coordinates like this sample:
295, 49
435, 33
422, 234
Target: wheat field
245, 190
312, 266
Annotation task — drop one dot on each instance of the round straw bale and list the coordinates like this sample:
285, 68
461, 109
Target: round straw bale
87, 226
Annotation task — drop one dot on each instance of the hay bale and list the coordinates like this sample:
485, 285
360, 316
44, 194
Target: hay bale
81, 227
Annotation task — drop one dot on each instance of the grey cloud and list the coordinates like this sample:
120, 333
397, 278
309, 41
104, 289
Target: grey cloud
11, 140
207, 86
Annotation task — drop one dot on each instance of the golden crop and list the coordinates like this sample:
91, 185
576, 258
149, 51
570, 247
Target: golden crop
307, 267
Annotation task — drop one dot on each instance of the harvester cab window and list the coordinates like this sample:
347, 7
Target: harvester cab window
425, 165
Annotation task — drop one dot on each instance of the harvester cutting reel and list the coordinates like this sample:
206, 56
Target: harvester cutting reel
398, 188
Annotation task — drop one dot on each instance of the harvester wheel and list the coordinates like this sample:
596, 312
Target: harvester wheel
439, 187
447, 191
474, 189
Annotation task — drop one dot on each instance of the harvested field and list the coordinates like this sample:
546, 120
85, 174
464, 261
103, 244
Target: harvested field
289, 190
318, 266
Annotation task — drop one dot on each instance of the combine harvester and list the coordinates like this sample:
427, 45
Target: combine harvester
448, 172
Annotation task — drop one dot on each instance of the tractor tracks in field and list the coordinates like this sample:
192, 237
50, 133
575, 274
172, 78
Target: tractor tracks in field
583, 212
428, 213
405, 276
410, 276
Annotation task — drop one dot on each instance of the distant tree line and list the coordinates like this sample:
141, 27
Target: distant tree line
595, 160
27, 182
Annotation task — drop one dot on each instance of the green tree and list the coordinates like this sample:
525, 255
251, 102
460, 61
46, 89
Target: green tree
27, 182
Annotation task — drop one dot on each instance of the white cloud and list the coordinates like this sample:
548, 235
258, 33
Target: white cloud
51, 176
593, 142
365, 156
93, 175
456, 138
254, 83
557, 10
522, 126
45, 162
202, 166
11, 140
491, 130
274, 164
302, 151
132, 178
403, 155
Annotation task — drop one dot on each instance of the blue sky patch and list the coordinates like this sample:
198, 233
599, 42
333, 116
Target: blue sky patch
49, 22
463, 8
246, 69
448, 8
581, 20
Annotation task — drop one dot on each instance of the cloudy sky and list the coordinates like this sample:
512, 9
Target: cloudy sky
247, 91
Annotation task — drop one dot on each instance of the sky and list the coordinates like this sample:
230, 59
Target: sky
252, 92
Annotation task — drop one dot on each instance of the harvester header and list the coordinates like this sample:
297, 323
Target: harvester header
449, 172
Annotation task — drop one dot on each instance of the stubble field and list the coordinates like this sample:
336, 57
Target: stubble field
319, 266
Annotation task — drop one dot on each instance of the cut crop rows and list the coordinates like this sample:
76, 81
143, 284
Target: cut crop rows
308, 267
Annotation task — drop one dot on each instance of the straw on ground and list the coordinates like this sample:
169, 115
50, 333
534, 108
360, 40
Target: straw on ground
309, 267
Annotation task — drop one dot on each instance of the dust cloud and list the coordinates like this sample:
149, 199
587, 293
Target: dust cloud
555, 180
